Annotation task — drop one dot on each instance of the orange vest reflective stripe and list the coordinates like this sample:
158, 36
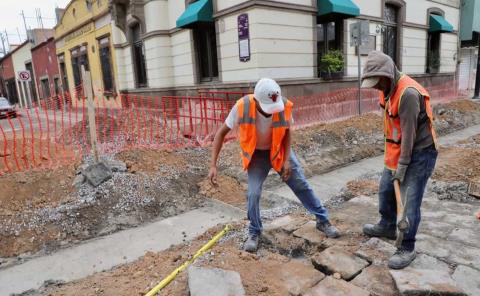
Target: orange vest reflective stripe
391, 126
247, 114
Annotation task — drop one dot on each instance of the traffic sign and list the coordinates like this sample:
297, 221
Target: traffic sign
359, 33
24, 76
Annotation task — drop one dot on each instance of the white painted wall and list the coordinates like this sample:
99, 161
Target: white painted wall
182, 58
448, 50
414, 50
283, 42
370, 7
224, 4
417, 12
156, 15
158, 52
231, 68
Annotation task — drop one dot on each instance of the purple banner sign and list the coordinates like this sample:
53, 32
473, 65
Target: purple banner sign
243, 38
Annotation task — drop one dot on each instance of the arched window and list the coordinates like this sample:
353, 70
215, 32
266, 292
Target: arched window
138, 55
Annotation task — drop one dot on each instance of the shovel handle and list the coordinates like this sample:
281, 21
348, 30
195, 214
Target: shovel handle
398, 198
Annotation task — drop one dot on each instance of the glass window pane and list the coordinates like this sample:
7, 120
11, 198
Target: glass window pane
390, 12
320, 33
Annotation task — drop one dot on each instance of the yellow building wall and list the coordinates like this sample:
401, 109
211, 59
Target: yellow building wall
78, 30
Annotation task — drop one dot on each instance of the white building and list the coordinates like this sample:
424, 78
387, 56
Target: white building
180, 46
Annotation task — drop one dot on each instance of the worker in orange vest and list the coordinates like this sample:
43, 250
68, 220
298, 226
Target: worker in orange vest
410, 150
263, 120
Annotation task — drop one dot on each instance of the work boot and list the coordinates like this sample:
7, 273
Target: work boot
401, 259
251, 245
327, 228
378, 230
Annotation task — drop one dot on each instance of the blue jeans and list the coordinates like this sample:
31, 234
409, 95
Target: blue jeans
419, 171
257, 173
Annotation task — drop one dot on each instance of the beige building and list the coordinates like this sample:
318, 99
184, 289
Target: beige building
180, 46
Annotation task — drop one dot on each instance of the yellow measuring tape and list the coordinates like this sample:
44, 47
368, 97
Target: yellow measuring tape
182, 267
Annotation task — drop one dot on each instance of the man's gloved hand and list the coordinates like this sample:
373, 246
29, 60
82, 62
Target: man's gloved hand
400, 172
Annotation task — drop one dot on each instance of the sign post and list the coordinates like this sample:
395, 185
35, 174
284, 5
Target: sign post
24, 79
359, 34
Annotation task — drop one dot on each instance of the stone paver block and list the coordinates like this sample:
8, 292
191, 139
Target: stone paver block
335, 259
310, 233
333, 287
411, 281
467, 279
286, 223
214, 282
376, 251
377, 280
424, 261
451, 251
97, 173
298, 277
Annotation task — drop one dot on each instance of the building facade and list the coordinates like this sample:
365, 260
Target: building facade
22, 61
470, 43
180, 46
83, 38
7, 79
45, 66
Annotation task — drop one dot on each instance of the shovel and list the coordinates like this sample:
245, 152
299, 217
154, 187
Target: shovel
402, 224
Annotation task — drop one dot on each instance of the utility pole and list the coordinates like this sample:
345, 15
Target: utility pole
24, 23
3, 44
19, 36
8, 41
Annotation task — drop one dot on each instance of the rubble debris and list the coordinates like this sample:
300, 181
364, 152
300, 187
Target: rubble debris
97, 173
214, 282
474, 188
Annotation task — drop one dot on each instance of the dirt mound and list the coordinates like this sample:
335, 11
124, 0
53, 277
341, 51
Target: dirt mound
23, 154
229, 190
42, 211
151, 161
458, 164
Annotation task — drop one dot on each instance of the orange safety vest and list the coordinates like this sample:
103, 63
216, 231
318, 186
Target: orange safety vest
248, 132
391, 119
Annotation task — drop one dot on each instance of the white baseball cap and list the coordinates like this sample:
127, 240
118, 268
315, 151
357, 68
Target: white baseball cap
269, 95
370, 82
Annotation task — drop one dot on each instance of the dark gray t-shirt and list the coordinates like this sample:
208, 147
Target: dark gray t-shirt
415, 131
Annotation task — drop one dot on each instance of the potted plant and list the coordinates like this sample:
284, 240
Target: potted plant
331, 65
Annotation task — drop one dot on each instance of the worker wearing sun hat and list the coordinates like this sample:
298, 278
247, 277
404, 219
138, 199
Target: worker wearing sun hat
410, 150
263, 120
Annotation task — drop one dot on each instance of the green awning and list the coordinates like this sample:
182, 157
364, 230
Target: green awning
439, 24
199, 11
342, 8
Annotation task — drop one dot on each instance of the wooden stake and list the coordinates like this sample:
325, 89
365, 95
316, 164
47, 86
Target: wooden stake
88, 90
